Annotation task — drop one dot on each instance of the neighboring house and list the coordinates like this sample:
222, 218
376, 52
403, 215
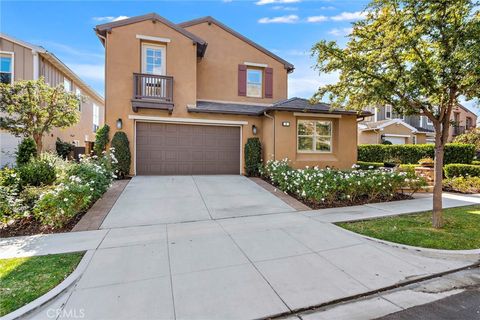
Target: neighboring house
24, 61
384, 124
189, 95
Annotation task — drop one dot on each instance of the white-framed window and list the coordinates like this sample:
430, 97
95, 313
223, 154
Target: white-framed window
67, 84
96, 117
254, 82
388, 112
314, 136
78, 93
6, 67
153, 59
414, 139
428, 121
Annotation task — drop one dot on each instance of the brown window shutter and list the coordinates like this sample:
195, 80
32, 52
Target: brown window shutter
242, 80
268, 83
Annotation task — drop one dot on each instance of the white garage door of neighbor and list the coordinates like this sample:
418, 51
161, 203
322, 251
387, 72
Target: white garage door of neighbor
8, 146
396, 140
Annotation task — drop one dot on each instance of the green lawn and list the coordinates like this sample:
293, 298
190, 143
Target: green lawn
22, 280
461, 230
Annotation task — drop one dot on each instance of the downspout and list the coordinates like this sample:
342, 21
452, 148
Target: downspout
274, 142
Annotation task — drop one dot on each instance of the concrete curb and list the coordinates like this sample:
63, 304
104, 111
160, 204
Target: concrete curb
64, 285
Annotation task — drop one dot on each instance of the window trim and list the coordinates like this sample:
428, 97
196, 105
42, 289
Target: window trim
391, 112
95, 116
262, 71
314, 137
12, 54
143, 56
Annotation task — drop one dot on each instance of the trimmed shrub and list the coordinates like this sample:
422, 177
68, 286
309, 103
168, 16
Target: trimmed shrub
121, 148
386, 142
461, 170
362, 165
27, 149
408, 168
327, 187
253, 157
462, 184
101, 139
412, 153
64, 149
476, 162
36, 173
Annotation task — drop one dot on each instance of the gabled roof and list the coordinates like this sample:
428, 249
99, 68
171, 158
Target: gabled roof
303, 105
210, 19
49, 56
102, 29
379, 125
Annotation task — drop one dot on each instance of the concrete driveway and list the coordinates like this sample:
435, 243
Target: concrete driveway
235, 262
151, 200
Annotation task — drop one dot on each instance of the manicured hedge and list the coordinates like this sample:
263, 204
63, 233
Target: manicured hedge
411, 153
461, 170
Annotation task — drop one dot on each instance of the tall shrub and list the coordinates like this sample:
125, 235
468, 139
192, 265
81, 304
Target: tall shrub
253, 157
26, 150
101, 139
63, 148
122, 153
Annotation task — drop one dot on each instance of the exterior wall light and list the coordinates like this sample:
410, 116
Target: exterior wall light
119, 123
286, 124
254, 130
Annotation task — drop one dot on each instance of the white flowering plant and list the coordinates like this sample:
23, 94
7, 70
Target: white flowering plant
327, 187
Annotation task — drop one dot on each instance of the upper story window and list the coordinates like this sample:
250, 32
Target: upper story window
96, 117
153, 59
67, 84
468, 122
78, 93
388, 112
314, 136
6, 68
254, 82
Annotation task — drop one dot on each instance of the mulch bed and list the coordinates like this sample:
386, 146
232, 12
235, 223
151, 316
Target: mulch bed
357, 202
29, 226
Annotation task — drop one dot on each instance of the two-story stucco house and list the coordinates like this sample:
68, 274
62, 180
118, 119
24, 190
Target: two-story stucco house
386, 125
189, 95
24, 61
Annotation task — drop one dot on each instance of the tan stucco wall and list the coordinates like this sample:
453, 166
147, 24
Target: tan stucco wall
217, 75
368, 137
463, 114
22, 61
374, 137
344, 142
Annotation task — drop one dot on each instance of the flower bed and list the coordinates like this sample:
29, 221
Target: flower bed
32, 202
324, 188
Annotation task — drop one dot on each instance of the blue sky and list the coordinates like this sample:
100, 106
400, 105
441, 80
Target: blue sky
289, 28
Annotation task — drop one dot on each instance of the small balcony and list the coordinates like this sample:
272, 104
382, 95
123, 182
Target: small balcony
152, 91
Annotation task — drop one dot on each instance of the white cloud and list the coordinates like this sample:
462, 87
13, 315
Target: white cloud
349, 16
314, 19
264, 2
283, 19
284, 8
109, 18
305, 84
340, 31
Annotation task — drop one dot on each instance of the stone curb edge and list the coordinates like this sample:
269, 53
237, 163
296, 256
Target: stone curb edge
64, 285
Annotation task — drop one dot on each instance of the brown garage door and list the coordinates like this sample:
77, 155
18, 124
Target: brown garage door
184, 149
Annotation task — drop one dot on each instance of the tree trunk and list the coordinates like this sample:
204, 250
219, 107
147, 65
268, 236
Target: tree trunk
437, 217
38, 141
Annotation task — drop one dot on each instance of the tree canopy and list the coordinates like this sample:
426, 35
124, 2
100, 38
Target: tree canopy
32, 108
420, 57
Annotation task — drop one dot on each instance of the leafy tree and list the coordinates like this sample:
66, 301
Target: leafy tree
420, 57
27, 149
471, 137
101, 139
32, 108
122, 153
